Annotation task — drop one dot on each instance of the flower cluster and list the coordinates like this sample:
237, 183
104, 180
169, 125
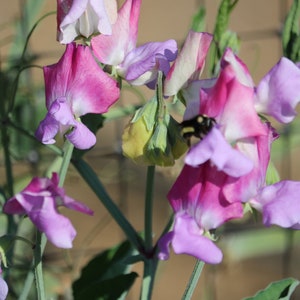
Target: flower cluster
226, 169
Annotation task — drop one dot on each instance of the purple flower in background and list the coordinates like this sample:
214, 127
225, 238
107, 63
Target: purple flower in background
84, 17
40, 201
138, 65
199, 207
75, 86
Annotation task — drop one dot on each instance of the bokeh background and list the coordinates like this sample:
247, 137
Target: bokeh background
253, 255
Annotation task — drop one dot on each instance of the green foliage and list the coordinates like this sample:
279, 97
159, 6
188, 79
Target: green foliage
222, 36
290, 34
198, 22
106, 275
282, 290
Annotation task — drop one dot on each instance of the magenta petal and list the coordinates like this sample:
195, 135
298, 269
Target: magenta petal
112, 49
57, 228
278, 92
78, 78
222, 155
280, 204
81, 137
188, 239
142, 59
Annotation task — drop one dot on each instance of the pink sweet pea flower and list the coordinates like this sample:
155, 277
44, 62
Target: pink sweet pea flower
188, 64
84, 17
137, 65
75, 86
40, 201
199, 207
231, 104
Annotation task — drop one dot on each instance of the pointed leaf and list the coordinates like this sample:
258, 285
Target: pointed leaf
277, 290
198, 22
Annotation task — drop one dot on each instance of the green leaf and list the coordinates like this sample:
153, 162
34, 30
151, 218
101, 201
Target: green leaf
290, 34
198, 22
272, 174
282, 290
106, 275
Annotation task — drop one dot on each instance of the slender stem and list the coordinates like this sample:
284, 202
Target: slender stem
88, 174
150, 266
149, 207
38, 270
68, 150
188, 293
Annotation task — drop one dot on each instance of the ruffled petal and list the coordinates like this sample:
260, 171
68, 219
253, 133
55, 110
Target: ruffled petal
189, 62
57, 228
81, 137
164, 244
78, 78
188, 239
280, 204
112, 49
144, 58
278, 92
47, 130
215, 148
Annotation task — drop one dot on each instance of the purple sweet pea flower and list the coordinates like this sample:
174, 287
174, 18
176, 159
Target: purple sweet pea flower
39, 200
278, 92
199, 207
74, 87
84, 17
138, 65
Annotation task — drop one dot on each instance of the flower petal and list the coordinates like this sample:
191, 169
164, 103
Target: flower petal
142, 59
278, 92
57, 228
47, 130
112, 49
188, 239
78, 78
280, 204
3, 289
81, 137
215, 148
189, 62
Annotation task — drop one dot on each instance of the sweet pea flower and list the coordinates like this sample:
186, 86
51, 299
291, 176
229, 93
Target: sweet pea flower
84, 18
199, 207
40, 201
75, 86
138, 65
231, 104
188, 65
3, 289
277, 94
279, 203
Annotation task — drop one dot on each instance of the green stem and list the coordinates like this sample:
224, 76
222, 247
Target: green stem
38, 269
149, 207
88, 174
68, 150
150, 266
188, 293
